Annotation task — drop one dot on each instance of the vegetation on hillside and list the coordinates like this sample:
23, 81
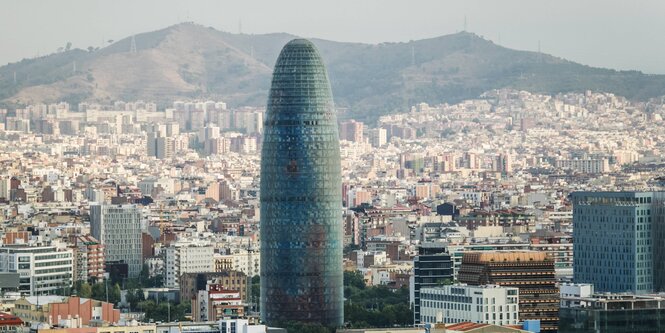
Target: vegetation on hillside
367, 80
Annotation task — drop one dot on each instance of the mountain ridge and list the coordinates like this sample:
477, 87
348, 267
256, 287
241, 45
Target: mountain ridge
368, 80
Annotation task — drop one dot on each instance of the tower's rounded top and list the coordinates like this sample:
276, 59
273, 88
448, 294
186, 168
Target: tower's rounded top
299, 52
300, 42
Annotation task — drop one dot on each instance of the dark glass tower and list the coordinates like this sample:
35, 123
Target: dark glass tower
301, 194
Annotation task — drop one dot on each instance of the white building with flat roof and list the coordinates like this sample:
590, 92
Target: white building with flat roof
187, 257
489, 304
573, 295
42, 270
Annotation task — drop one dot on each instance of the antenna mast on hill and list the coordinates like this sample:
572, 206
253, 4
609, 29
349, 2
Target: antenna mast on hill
464, 23
540, 54
132, 47
240, 26
413, 55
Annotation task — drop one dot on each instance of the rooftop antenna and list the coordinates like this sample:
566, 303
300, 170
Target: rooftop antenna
132, 47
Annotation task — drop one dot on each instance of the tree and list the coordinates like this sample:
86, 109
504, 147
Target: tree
375, 306
85, 290
354, 279
256, 292
99, 292
114, 295
164, 311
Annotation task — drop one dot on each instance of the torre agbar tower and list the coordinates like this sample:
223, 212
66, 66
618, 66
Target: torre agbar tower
301, 194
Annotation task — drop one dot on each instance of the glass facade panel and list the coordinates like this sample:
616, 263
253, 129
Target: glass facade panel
301, 199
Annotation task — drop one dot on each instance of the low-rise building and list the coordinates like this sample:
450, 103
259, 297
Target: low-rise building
490, 304
612, 313
42, 269
215, 303
52, 309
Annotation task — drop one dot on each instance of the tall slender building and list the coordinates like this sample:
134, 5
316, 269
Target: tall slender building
301, 194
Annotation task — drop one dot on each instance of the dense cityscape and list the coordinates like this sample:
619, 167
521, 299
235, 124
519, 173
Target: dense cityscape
124, 199
518, 210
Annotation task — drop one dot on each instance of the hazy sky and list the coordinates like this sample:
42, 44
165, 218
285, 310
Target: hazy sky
626, 34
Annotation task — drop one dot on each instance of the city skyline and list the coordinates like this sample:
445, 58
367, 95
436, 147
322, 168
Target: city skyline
191, 180
565, 29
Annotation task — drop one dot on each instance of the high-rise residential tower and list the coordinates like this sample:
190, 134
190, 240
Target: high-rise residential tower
301, 194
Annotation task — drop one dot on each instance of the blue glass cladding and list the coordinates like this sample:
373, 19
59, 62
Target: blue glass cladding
301, 199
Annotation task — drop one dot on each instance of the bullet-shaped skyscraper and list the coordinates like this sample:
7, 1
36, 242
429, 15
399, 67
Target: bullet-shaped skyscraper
301, 199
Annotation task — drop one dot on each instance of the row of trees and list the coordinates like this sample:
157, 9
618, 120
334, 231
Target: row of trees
99, 291
374, 306
364, 307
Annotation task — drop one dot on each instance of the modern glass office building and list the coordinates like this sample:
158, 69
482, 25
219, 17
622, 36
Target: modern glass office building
618, 240
301, 199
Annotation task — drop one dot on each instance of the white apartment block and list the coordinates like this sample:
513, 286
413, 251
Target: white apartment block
42, 270
488, 304
186, 257
585, 165
118, 228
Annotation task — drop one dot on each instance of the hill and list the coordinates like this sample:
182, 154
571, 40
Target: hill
192, 61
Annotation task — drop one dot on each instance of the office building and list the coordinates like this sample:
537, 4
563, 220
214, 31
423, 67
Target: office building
531, 272
490, 304
118, 228
613, 313
617, 247
432, 267
43, 270
301, 194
